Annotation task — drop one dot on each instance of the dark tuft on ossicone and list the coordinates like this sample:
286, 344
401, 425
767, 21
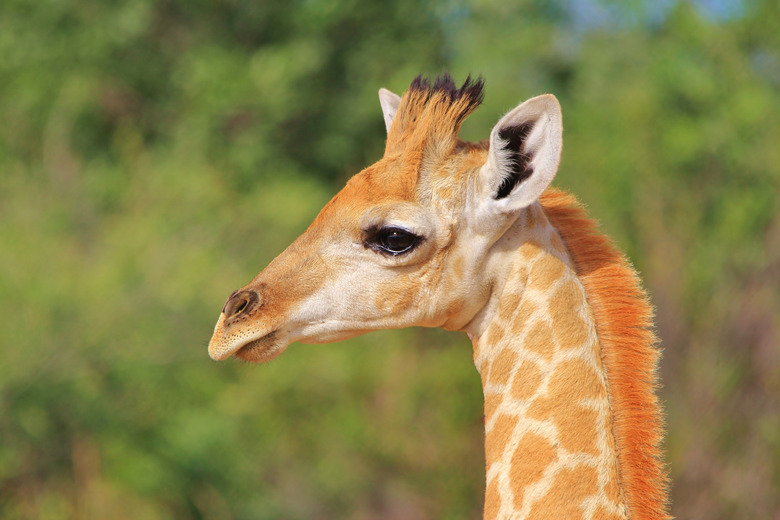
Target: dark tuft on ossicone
473, 89
432, 111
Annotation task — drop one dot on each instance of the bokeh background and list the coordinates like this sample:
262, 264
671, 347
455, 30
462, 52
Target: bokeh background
156, 154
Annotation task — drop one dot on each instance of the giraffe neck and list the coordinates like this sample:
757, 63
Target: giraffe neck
549, 444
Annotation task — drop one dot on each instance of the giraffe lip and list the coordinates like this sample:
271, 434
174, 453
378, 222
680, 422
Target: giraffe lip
261, 349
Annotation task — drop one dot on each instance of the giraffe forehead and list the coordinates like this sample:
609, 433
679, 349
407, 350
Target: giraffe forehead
384, 183
408, 177
386, 180
377, 185
390, 178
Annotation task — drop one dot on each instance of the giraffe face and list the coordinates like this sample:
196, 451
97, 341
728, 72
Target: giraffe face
407, 240
369, 261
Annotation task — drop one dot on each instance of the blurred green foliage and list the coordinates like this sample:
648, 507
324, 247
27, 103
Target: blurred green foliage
155, 155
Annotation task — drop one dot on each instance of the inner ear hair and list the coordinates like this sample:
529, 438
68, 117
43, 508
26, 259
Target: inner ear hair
519, 163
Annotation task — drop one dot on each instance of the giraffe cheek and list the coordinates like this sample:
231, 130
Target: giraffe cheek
395, 297
454, 307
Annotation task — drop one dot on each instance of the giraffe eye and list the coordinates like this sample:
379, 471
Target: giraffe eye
392, 240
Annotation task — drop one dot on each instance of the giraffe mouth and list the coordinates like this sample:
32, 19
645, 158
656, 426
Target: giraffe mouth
262, 349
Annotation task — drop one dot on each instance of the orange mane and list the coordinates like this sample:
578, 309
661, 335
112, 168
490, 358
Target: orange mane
629, 351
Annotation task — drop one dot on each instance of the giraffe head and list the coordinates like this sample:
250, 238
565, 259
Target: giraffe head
408, 241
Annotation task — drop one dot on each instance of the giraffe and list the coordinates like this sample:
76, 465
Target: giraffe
471, 237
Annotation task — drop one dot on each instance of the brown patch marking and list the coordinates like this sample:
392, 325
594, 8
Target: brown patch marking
502, 366
492, 402
495, 334
527, 379
571, 331
570, 487
529, 462
546, 272
508, 305
540, 340
576, 377
498, 436
602, 514
572, 381
530, 249
492, 500
524, 313
577, 430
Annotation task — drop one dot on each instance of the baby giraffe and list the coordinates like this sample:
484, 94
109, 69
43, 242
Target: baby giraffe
468, 236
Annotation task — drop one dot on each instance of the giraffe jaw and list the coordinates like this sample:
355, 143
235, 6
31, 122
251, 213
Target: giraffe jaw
262, 349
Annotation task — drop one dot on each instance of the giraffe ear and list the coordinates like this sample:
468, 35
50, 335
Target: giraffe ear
525, 149
389, 103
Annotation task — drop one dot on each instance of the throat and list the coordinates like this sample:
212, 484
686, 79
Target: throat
549, 444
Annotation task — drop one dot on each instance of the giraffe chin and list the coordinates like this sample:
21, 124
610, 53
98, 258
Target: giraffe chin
262, 349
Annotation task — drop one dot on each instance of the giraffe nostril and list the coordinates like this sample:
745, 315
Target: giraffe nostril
240, 302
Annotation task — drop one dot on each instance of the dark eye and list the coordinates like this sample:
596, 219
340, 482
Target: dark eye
392, 240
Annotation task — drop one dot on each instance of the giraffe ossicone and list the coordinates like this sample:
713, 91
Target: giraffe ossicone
469, 236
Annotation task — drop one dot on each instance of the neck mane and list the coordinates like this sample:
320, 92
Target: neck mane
573, 426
